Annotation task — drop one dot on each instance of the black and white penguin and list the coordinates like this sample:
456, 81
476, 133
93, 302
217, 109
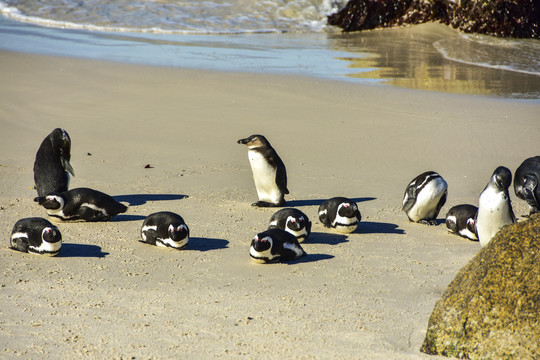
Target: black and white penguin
494, 206
268, 170
341, 214
526, 183
424, 197
165, 229
460, 220
274, 245
52, 167
81, 204
293, 221
36, 236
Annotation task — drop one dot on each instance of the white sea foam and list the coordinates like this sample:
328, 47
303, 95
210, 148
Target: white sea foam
172, 17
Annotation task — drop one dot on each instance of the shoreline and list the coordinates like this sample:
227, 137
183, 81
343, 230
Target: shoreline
366, 295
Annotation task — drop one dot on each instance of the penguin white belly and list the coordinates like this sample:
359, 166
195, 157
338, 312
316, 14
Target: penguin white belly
259, 256
264, 176
427, 201
493, 214
46, 248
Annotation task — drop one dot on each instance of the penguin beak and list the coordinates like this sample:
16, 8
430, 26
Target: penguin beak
67, 166
244, 141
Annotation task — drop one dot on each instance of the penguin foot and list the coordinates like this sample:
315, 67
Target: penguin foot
428, 222
264, 204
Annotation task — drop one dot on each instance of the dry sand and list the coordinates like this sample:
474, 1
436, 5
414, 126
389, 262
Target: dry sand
366, 296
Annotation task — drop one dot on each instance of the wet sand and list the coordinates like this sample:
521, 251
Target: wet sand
367, 295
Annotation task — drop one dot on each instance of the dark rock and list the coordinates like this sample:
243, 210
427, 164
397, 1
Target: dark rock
491, 310
515, 18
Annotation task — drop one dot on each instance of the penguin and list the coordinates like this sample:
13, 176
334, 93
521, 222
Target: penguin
292, 220
526, 183
460, 220
165, 229
494, 206
424, 197
274, 245
341, 214
52, 168
269, 173
36, 236
81, 204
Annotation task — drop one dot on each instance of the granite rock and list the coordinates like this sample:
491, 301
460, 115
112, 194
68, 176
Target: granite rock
491, 310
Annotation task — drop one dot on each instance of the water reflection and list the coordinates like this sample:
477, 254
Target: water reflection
412, 57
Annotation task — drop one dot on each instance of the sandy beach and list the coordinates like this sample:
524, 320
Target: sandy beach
367, 295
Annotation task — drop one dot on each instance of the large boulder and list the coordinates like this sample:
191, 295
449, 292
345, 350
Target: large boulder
491, 310
515, 18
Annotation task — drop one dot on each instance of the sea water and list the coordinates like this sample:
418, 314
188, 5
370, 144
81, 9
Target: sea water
272, 36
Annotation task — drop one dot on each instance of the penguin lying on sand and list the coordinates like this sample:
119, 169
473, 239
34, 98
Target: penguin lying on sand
526, 183
165, 229
424, 197
275, 245
460, 220
494, 207
341, 214
52, 167
81, 204
269, 173
36, 236
292, 220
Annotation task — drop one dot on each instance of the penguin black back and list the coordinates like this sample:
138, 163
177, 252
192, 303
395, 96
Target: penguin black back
293, 221
274, 245
340, 213
81, 204
526, 181
51, 166
36, 236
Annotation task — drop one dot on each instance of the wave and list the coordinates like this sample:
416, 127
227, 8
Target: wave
169, 17
517, 55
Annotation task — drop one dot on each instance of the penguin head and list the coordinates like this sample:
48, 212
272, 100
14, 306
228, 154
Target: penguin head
471, 225
347, 209
178, 233
51, 202
61, 144
262, 243
255, 141
502, 178
295, 223
51, 235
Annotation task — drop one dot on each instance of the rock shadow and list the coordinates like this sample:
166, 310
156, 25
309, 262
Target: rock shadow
313, 202
81, 250
140, 199
370, 227
325, 238
206, 244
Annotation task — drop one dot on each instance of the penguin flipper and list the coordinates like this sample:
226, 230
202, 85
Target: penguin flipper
441, 203
528, 192
410, 195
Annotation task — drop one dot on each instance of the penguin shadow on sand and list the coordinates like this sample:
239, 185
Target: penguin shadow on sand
81, 251
318, 202
370, 227
141, 199
206, 244
309, 258
326, 238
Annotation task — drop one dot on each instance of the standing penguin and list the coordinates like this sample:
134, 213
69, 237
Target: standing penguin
36, 236
460, 220
341, 214
526, 183
268, 170
81, 204
424, 197
165, 229
494, 207
52, 167
292, 220
275, 245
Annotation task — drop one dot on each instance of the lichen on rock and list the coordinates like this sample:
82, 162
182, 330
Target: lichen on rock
491, 310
